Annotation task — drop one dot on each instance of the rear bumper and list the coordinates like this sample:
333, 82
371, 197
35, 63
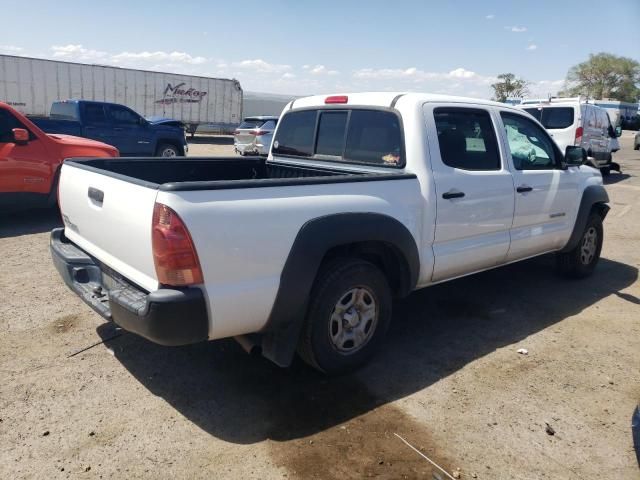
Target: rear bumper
168, 316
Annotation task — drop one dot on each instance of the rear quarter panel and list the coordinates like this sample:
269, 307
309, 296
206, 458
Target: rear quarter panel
243, 237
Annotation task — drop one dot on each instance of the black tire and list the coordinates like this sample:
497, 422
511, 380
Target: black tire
605, 171
636, 146
576, 263
332, 285
164, 148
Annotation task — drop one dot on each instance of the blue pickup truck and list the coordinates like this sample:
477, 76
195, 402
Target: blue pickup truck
116, 125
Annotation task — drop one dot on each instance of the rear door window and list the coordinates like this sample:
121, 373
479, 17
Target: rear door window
349, 135
94, 113
123, 116
467, 139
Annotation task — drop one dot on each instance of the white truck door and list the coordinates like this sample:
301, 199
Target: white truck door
474, 190
545, 194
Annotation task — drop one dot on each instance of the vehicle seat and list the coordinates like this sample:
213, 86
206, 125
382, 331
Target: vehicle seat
453, 147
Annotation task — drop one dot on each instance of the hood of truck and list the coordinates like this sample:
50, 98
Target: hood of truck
80, 144
168, 122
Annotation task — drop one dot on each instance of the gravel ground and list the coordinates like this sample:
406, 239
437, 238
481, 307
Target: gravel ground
449, 381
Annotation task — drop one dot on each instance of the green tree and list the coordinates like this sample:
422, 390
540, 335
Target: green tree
605, 76
508, 85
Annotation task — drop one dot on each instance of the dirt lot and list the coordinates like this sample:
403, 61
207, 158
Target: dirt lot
450, 380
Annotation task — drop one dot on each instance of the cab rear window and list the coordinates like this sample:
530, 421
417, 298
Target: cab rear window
553, 117
365, 136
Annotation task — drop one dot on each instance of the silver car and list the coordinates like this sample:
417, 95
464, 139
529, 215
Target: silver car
254, 135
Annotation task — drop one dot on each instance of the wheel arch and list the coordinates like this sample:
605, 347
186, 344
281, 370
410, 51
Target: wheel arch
169, 141
594, 199
378, 238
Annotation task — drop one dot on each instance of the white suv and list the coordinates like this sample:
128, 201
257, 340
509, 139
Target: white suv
571, 121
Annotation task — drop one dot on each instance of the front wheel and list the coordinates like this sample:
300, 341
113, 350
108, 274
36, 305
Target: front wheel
348, 316
582, 260
167, 150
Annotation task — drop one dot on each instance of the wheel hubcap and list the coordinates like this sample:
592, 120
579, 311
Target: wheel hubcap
168, 152
353, 320
589, 246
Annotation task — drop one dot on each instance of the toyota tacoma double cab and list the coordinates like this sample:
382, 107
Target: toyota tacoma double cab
30, 160
363, 198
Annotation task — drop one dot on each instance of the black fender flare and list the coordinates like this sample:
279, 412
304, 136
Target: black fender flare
313, 241
591, 196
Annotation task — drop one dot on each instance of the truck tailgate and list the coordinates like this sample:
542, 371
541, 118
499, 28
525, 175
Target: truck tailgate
110, 218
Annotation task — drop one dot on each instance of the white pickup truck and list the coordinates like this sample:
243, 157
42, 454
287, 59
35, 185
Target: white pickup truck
363, 198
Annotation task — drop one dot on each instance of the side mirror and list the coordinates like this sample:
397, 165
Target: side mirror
20, 136
575, 156
618, 131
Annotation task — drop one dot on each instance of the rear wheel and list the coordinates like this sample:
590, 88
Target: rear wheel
605, 171
582, 260
348, 316
167, 150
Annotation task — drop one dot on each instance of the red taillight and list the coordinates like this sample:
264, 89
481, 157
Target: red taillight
257, 132
579, 131
174, 255
337, 99
236, 132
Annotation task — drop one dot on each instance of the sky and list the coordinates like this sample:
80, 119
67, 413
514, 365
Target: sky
303, 47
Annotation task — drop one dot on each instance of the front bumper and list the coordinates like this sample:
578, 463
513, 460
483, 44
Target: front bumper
168, 316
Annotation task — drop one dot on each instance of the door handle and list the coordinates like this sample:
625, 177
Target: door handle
452, 194
524, 188
96, 195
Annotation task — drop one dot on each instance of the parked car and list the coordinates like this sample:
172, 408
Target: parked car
30, 160
576, 122
116, 125
363, 198
254, 135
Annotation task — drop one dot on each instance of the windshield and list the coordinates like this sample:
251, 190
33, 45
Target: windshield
552, 117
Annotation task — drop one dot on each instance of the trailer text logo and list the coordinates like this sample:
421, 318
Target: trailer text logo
179, 94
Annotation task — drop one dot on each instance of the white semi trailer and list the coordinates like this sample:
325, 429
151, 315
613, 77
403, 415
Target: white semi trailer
30, 85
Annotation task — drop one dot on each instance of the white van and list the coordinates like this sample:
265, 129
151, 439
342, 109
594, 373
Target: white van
572, 121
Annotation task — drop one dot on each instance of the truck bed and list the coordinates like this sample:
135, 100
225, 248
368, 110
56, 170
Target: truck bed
57, 125
107, 206
214, 173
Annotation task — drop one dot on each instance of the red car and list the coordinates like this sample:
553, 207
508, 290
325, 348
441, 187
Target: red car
30, 160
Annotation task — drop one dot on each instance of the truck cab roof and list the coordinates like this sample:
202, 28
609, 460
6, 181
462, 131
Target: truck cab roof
384, 99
